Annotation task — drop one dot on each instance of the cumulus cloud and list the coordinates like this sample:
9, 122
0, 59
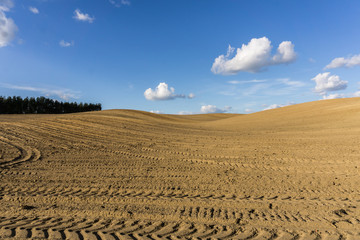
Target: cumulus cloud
34, 10
64, 94
344, 62
163, 92
213, 109
119, 3
63, 43
285, 53
326, 82
253, 57
84, 17
8, 28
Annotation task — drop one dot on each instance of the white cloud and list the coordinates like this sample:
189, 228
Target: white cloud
64, 94
185, 113
63, 43
273, 106
246, 81
6, 5
234, 82
191, 96
356, 94
8, 28
344, 62
119, 3
248, 110
253, 57
205, 109
83, 16
290, 83
156, 111
163, 92
213, 109
326, 82
285, 53
34, 10
333, 96
341, 95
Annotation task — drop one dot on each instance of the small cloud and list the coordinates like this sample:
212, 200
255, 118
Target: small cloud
206, 109
163, 92
253, 57
333, 96
34, 10
248, 110
341, 95
246, 81
156, 111
234, 82
356, 94
185, 113
119, 3
290, 83
84, 17
285, 53
63, 43
344, 62
312, 60
8, 28
213, 109
191, 96
64, 94
274, 106
326, 82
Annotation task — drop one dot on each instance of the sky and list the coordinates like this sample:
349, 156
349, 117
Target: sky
181, 57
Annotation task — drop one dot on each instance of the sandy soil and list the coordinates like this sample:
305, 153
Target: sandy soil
289, 173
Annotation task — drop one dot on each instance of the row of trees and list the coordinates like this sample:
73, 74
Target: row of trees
18, 105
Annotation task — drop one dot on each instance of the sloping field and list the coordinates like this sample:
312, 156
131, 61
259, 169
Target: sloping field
289, 173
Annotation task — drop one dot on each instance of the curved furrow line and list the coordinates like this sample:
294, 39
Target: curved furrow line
26, 154
104, 138
191, 154
138, 155
46, 228
96, 142
58, 134
107, 135
68, 192
240, 216
66, 133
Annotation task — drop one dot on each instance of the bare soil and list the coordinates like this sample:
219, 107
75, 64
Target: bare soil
288, 173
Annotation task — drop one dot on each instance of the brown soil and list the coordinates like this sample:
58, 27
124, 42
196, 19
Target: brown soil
289, 173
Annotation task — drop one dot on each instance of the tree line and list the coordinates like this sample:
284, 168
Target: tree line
18, 105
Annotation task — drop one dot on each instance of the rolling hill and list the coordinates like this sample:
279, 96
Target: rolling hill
287, 173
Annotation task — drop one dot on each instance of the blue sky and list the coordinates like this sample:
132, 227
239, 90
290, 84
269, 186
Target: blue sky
188, 56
